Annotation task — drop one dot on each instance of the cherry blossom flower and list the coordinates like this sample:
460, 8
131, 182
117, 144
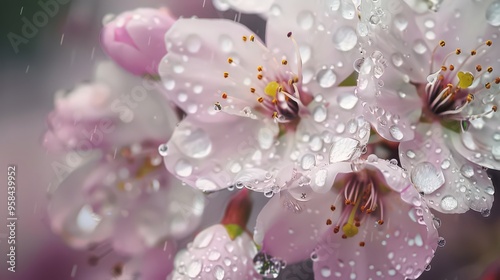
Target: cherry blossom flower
259, 114
120, 192
222, 251
364, 221
112, 111
429, 81
130, 201
135, 39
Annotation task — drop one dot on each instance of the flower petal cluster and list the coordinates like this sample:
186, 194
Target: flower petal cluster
263, 112
135, 39
430, 81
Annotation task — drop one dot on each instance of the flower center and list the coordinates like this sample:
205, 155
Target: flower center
451, 90
362, 195
275, 90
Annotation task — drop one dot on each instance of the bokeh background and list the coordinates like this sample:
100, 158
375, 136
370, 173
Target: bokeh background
63, 52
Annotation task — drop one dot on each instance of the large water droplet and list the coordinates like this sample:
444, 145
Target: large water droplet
265, 137
219, 272
319, 113
441, 242
426, 177
305, 20
203, 239
396, 132
467, 171
193, 43
326, 78
163, 150
194, 268
397, 59
419, 46
308, 161
347, 101
343, 149
493, 13
449, 203
345, 38
326, 272
194, 143
205, 185
183, 168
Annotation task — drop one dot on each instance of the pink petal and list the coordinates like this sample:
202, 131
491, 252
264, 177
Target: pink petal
326, 38
401, 247
291, 233
212, 156
198, 52
450, 183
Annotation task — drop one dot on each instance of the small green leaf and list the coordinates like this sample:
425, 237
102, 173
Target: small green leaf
233, 230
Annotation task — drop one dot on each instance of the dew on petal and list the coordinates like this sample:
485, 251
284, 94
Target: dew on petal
448, 203
163, 150
343, 149
396, 132
347, 101
467, 171
193, 43
305, 20
205, 184
345, 38
194, 268
194, 143
326, 78
319, 113
493, 13
219, 272
427, 178
183, 168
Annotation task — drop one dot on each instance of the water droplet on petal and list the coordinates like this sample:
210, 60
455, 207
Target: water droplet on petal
163, 150
467, 171
319, 113
396, 132
426, 177
193, 43
183, 168
219, 272
205, 184
326, 78
343, 149
493, 13
194, 143
345, 38
449, 203
305, 20
347, 101
194, 268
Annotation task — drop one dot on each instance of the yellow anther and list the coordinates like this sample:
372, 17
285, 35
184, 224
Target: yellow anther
470, 98
489, 43
260, 76
465, 79
252, 90
490, 69
494, 108
458, 51
452, 67
260, 99
497, 80
473, 52
229, 60
271, 88
284, 62
443, 68
259, 68
479, 68
442, 43
252, 38
487, 85
244, 38
224, 95
226, 74
275, 115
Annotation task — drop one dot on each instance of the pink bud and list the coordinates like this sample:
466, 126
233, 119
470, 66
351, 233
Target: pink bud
136, 39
